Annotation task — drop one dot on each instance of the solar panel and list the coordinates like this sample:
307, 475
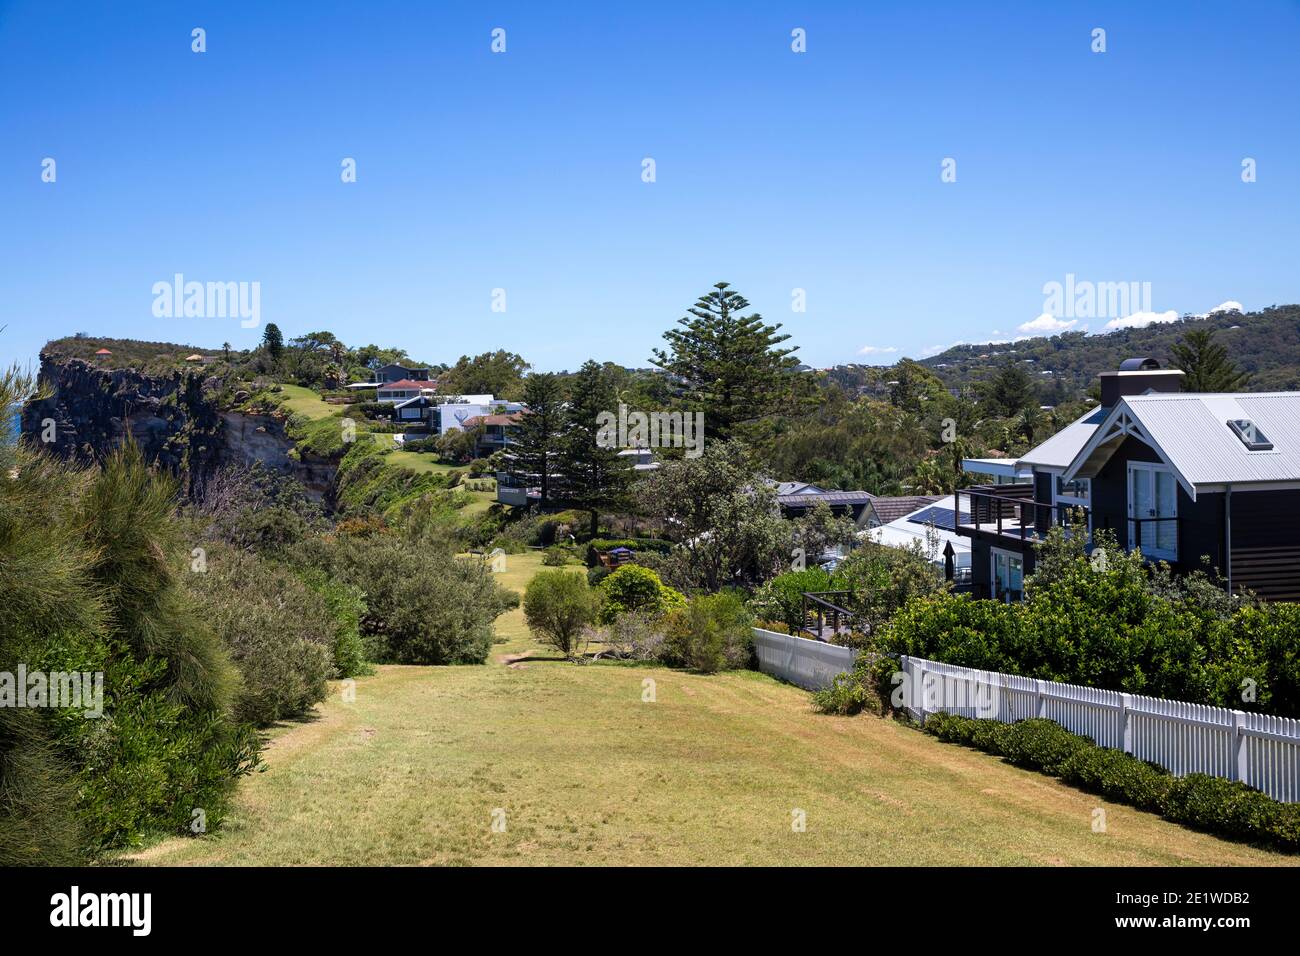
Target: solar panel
939, 517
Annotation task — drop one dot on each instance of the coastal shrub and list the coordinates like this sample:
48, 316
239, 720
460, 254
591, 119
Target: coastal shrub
279, 631
556, 556
869, 686
1225, 807
637, 636
781, 598
254, 507
346, 604
634, 588
711, 633
1117, 776
90, 582
558, 605
423, 604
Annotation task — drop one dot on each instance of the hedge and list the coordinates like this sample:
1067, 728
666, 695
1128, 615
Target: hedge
1224, 807
597, 545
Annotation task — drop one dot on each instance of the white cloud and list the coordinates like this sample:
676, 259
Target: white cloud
1229, 306
1140, 320
877, 349
1046, 324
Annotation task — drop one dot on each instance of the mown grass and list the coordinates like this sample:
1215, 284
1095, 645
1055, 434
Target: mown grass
586, 771
298, 400
420, 462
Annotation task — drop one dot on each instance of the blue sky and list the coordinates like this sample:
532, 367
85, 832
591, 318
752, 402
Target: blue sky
522, 171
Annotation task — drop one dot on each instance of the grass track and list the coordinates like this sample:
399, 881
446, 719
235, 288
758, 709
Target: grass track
587, 772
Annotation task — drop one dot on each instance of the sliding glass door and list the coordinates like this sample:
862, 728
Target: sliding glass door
1153, 508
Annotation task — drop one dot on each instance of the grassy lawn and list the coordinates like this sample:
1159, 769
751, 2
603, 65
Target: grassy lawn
419, 462
586, 772
306, 402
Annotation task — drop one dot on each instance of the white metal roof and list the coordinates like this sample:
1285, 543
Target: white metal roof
1059, 450
1190, 431
903, 532
1000, 467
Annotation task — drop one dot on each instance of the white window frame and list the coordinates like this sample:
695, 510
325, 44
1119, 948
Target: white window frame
1150, 550
1071, 501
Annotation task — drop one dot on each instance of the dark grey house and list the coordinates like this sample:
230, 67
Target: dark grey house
396, 373
1180, 475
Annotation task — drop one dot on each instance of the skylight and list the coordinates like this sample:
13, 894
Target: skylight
1250, 435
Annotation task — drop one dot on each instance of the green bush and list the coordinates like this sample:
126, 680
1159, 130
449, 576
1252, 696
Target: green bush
845, 696
1232, 809
868, 686
558, 606
423, 605
634, 588
1116, 625
279, 631
713, 632
556, 556
598, 545
90, 581
1117, 776
1040, 744
781, 598
346, 604
1225, 807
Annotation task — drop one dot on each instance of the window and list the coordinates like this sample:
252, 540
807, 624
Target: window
1008, 576
1250, 435
1077, 488
1076, 493
1153, 510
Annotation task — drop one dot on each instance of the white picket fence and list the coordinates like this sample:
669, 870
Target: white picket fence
810, 664
1258, 749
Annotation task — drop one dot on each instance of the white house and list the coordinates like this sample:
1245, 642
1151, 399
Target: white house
452, 415
937, 519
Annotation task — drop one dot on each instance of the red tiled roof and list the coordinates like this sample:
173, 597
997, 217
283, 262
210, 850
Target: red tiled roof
405, 383
103, 352
511, 419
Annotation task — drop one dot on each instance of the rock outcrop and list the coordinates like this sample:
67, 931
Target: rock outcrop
176, 420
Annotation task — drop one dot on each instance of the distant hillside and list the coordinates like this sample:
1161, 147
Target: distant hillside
151, 357
1266, 343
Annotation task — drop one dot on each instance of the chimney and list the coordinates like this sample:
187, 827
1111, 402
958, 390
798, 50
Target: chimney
1137, 376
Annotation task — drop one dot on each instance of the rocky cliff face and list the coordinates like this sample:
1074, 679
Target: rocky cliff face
260, 438
175, 419
90, 411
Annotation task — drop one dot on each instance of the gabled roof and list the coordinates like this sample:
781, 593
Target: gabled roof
887, 509
915, 526
1190, 433
1059, 450
405, 383
830, 497
795, 488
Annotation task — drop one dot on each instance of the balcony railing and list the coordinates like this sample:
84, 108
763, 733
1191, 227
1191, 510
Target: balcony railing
1009, 511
